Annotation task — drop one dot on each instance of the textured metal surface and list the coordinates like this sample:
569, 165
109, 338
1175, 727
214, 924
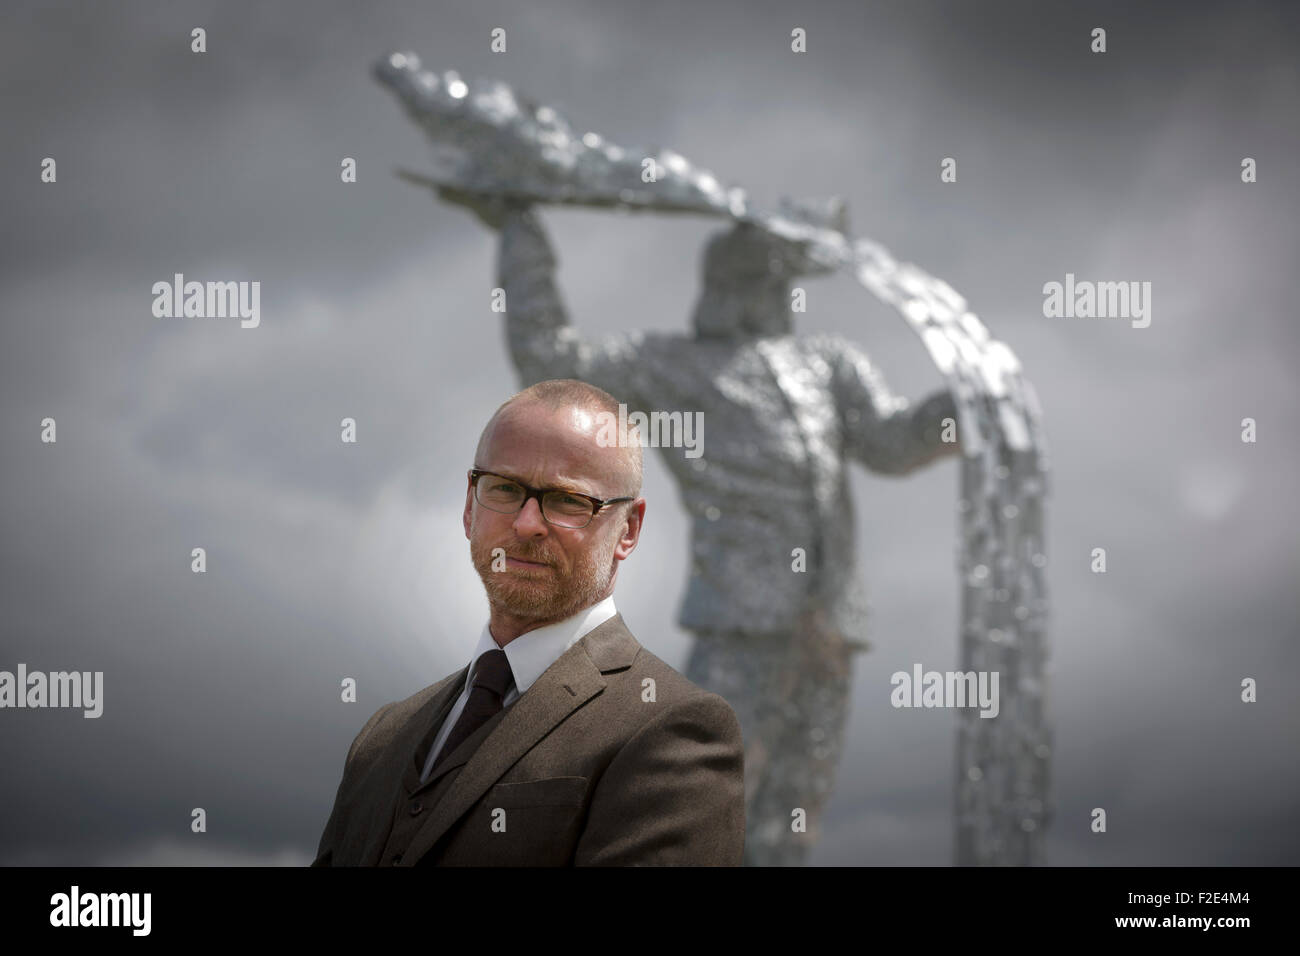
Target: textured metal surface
791, 694
785, 414
1002, 801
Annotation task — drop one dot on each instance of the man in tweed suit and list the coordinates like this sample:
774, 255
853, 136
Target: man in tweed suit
563, 741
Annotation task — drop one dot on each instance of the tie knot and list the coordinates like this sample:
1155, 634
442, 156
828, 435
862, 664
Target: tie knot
493, 672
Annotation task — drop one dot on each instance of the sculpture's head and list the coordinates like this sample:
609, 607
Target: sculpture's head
746, 291
748, 270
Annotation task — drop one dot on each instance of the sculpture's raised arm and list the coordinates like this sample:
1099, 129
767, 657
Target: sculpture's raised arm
543, 344
885, 432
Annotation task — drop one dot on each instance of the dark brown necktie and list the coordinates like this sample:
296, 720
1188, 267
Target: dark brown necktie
492, 679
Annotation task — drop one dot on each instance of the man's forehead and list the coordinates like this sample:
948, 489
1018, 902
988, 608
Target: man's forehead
573, 425
560, 443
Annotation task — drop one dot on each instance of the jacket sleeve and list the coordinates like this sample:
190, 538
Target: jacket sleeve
674, 795
542, 343
335, 825
882, 431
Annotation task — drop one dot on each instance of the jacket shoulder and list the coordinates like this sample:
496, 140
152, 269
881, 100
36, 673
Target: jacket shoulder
649, 664
648, 679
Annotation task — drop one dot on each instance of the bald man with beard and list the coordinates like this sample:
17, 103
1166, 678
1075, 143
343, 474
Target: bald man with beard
563, 741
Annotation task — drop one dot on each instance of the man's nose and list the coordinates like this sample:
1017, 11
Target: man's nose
529, 521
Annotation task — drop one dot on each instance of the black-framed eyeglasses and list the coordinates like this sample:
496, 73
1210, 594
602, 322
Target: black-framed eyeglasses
560, 507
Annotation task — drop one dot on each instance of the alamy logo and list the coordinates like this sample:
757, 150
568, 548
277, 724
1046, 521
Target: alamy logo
55, 689
208, 300
946, 689
102, 909
1098, 300
656, 430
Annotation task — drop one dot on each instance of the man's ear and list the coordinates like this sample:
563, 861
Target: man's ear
631, 530
469, 508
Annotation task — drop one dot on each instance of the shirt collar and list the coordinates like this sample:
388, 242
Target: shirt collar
531, 653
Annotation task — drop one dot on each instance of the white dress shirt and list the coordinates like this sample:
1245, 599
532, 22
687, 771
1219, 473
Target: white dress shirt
529, 655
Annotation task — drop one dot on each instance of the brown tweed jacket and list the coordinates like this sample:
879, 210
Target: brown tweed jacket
610, 758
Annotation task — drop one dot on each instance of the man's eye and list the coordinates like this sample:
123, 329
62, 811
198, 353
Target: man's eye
569, 504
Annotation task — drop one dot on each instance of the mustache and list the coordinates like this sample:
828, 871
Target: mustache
527, 554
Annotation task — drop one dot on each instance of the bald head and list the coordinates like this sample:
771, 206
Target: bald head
575, 409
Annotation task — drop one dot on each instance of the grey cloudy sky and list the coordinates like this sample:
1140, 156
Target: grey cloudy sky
328, 560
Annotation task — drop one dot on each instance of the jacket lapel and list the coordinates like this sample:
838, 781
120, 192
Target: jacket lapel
565, 686
430, 717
